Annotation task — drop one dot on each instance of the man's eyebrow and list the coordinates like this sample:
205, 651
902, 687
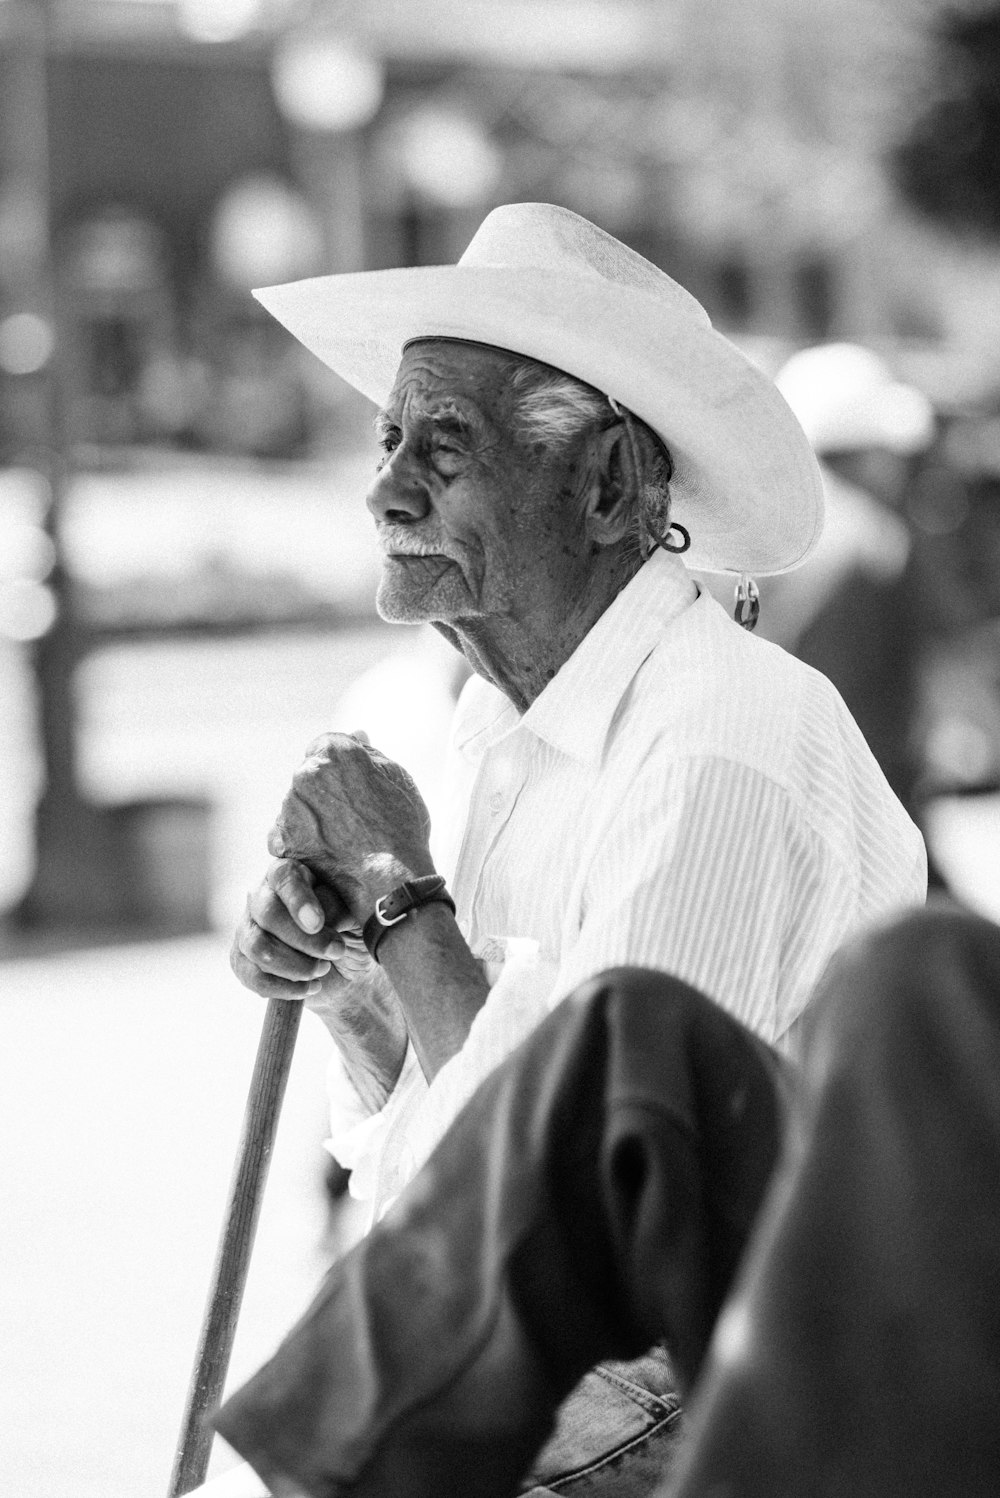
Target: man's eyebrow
450, 417
446, 414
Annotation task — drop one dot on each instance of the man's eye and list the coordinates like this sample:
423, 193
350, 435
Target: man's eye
447, 458
388, 441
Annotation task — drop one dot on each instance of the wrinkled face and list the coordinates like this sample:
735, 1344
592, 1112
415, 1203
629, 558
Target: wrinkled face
472, 522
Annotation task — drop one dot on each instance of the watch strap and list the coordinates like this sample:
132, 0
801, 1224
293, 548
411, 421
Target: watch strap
394, 907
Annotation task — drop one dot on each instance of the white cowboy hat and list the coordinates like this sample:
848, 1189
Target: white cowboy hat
542, 281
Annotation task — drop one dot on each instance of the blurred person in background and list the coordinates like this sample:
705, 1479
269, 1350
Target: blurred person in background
857, 610
634, 779
957, 565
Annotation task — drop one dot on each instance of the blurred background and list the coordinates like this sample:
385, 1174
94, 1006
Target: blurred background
187, 574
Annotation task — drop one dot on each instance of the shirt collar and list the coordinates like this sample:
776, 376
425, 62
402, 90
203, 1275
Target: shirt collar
574, 711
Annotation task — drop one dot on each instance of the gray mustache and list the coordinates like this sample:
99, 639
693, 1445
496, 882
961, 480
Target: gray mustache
401, 542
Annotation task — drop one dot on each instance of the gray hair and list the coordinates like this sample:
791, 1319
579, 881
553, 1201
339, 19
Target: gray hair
554, 409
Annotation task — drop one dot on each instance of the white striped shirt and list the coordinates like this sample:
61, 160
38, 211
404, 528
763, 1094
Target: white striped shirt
681, 796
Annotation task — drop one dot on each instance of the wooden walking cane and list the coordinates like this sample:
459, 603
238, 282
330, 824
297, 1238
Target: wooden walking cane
246, 1192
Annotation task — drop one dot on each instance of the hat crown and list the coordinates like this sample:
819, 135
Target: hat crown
547, 237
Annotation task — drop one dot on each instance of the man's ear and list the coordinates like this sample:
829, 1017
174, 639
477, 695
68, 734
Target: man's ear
614, 486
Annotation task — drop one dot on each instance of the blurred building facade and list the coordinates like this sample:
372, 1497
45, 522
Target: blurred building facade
202, 145
158, 158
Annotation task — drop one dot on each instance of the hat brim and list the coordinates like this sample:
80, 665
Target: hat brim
746, 483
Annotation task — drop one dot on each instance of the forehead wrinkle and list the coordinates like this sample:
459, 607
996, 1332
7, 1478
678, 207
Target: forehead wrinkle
455, 414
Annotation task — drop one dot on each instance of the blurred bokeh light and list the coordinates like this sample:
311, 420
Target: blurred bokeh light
326, 83
27, 609
217, 20
26, 343
447, 157
263, 231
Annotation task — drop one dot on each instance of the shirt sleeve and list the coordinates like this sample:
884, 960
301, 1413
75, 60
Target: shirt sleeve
383, 1150
706, 869
710, 871
358, 1137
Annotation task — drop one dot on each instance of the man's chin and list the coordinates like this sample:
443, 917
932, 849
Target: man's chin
410, 595
392, 613
400, 606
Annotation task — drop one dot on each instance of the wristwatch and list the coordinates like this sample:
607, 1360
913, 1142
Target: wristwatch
394, 907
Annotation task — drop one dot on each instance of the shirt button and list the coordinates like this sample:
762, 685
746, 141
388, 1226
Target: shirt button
496, 803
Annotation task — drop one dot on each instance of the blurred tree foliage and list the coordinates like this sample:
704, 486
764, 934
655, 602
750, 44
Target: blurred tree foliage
948, 166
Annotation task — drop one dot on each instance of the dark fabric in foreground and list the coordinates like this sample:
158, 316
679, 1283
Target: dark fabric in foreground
859, 1356
597, 1195
593, 1198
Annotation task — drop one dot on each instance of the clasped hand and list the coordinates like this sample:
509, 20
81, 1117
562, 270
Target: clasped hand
356, 820
352, 827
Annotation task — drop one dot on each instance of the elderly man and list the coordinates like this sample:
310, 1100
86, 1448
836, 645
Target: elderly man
635, 779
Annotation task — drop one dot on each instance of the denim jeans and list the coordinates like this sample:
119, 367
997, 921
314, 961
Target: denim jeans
617, 1433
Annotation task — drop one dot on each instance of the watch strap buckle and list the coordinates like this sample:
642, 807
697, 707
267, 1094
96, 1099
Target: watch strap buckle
394, 907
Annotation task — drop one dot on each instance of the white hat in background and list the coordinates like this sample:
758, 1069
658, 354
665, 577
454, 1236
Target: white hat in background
847, 399
541, 281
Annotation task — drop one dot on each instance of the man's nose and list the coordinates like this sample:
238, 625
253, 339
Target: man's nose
398, 495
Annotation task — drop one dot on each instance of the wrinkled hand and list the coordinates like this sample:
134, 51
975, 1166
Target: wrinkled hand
297, 940
356, 819
292, 941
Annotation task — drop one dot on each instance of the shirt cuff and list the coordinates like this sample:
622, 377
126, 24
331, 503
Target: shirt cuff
357, 1136
384, 1150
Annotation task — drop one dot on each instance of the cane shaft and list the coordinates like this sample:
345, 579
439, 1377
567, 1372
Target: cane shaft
246, 1192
